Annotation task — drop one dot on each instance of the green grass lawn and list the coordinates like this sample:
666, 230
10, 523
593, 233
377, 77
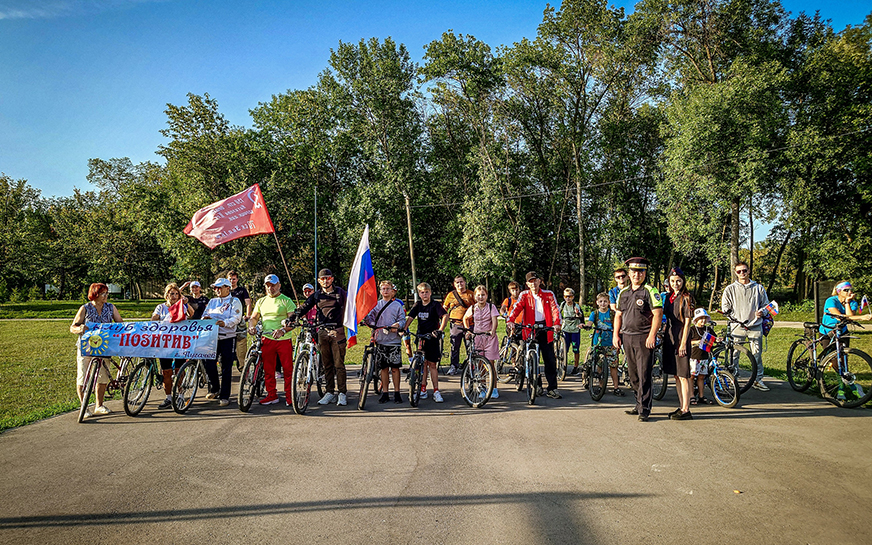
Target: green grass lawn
38, 370
140, 310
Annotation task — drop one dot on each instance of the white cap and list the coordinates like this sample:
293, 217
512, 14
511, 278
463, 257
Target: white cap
700, 313
271, 279
222, 282
195, 283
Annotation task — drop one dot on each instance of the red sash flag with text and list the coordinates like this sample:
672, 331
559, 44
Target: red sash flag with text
241, 215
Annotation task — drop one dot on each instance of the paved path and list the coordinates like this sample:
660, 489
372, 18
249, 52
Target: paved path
783, 467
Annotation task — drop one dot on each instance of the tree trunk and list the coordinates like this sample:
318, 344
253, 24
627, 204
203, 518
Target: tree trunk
734, 237
582, 287
717, 276
751, 240
778, 261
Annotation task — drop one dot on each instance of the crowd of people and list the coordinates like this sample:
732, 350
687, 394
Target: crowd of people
630, 316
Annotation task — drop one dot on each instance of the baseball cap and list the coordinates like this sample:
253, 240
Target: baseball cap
325, 272
531, 275
308, 286
271, 279
222, 282
700, 313
195, 283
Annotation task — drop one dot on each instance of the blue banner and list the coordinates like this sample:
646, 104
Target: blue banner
189, 339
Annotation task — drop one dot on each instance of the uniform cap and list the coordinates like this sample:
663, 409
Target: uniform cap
637, 263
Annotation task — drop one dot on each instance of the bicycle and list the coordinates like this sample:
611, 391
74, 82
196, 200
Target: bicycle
91, 375
477, 374
507, 364
595, 369
307, 368
369, 372
190, 377
251, 383
845, 374
560, 354
803, 357
530, 350
737, 359
417, 367
145, 375
659, 379
722, 383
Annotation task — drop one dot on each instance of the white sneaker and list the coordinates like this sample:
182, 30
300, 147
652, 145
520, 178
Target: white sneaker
224, 402
343, 399
423, 394
760, 386
328, 398
452, 370
87, 414
437, 397
495, 395
102, 409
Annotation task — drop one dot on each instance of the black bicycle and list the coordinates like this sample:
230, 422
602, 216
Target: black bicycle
417, 366
477, 374
736, 357
251, 383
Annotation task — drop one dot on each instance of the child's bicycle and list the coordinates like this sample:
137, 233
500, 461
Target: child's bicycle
369, 371
417, 367
722, 383
595, 369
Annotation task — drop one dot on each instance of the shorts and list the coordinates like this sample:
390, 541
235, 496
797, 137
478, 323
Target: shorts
699, 367
82, 367
572, 339
388, 356
611, 356
432, 350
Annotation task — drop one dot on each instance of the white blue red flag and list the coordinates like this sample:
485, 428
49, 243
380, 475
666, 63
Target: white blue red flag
864, 303
772, 307
362, 291
707, 342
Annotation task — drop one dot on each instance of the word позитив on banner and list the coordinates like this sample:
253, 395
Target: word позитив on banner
189, 339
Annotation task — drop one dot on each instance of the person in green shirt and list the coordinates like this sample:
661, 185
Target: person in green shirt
273, 309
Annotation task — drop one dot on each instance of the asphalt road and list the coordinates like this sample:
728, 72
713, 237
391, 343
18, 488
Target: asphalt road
782, 467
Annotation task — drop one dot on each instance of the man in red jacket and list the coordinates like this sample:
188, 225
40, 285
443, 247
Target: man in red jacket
538, 306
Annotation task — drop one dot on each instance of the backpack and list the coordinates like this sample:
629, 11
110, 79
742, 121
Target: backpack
767, 324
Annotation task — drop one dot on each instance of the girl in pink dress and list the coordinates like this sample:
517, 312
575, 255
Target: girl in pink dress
482, 318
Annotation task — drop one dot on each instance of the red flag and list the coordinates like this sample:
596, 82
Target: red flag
178, 311
241, 215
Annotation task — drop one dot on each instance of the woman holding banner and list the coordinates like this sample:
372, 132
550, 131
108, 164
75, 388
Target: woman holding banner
175, 309
98, 309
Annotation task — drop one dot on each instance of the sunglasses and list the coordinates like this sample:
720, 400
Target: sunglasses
621, 277
741, 271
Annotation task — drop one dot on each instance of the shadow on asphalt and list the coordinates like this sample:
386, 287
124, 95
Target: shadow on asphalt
548, 507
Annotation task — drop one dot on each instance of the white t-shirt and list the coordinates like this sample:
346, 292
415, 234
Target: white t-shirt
540, 307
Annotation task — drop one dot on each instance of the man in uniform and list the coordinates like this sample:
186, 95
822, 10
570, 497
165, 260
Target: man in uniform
330, 302
637, 319
274, 308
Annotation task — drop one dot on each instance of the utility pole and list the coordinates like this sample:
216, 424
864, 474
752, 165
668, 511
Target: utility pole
411, 248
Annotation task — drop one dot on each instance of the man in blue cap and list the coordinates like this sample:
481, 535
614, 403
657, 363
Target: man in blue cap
273, 309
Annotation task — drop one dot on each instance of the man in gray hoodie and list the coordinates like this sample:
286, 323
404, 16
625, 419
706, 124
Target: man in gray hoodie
746, 300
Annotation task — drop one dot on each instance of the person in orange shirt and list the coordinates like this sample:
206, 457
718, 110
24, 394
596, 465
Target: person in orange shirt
456, 303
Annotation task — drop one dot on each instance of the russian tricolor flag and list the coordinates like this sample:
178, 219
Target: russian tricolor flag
772, 308
362, 291
707, 342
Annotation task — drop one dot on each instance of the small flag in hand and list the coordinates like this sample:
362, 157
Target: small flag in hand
772, 308
707, 342
864, 302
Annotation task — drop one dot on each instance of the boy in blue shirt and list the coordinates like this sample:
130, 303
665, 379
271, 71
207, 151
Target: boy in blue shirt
603, 318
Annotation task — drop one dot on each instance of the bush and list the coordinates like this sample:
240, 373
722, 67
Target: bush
4, 292
34, 294
803, 306
17, 296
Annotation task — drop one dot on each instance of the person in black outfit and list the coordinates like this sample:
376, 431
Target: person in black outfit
330, 301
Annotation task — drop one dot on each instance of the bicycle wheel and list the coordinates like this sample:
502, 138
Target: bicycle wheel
506, 363
248, 382
799, 373
138, 387
88, 386
300, 384
850, 386
560, 352
185, 385
659, 379
477, 382
724, 388
416, 375
598, 376
743, 367
366, 372
321, 383
531, 363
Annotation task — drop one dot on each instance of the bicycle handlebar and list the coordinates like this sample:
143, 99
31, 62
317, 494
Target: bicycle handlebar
843, 320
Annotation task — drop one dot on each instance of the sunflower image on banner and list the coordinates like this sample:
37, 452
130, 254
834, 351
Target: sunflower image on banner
94, 342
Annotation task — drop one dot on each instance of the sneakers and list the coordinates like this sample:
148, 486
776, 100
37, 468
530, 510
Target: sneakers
343, 399
165, 404
554, 394
211, 396
224, 402
452, 370
270, 399
397, 397
279, 376
758, 385
328, 398
424, 394
437, 397
87, 414
495, 395
540, 391
681, 416
102, 409
384, 398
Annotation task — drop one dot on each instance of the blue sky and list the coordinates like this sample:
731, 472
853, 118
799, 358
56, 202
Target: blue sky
91, 78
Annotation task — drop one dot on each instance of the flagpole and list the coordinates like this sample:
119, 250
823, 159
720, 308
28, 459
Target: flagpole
316, 232
285, 263
411, 248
